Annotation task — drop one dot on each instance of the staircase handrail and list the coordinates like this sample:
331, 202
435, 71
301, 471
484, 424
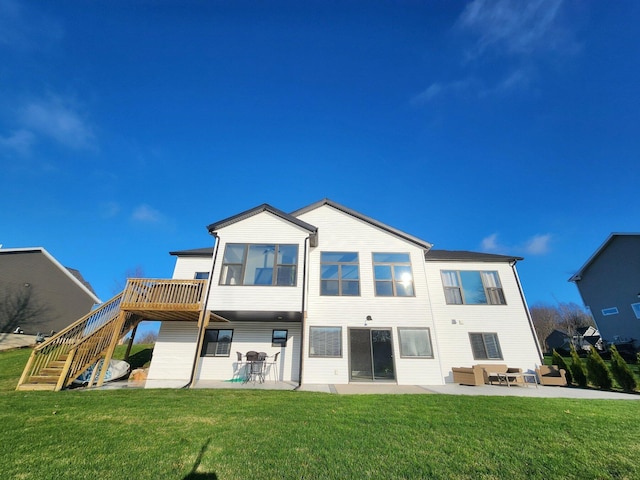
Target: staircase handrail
64, 341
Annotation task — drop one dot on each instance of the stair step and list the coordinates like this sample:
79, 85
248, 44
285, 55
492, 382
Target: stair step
56, 364
43, 379
51, 371
36, 386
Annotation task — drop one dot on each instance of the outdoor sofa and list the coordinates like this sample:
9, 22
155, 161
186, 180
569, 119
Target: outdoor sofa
552, 375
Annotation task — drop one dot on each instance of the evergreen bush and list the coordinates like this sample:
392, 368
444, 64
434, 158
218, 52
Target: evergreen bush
556, 359
597, 371
577, 369
621, 371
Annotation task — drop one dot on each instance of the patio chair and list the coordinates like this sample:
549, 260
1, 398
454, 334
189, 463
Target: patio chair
255, 366
273, 365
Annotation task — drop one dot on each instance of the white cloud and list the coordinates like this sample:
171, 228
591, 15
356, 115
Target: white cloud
59, 121
145, 214
539, 244
19, 141
490, 243
516, 27
440, 89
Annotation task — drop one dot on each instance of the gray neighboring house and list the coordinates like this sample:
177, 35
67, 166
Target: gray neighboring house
609, 284
61, 294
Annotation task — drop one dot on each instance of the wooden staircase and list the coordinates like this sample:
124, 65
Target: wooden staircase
56, 363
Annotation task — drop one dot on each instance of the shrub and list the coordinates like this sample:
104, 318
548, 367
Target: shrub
557, 359
622, 372
577, 369
597, 371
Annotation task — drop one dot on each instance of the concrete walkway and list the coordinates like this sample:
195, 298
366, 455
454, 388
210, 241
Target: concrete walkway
9, 341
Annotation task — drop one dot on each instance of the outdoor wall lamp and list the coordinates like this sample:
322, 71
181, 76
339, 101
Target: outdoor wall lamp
369, 317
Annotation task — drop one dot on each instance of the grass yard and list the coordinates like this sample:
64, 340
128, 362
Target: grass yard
237, 434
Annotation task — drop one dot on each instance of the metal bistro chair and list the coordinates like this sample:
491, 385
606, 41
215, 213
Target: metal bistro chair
273, 367
255, 366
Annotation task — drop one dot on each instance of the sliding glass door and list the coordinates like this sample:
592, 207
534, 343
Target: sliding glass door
371, 355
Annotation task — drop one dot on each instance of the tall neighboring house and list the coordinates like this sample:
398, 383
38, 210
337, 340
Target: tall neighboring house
609, 284
52, 295
331, 295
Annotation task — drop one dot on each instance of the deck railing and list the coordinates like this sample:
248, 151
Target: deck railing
61, 345
160, 294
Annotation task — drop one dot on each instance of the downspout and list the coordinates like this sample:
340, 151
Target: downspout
304, 312
526, 309
201, 328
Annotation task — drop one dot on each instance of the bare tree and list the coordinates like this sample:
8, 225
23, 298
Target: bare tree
119, 284
148, 338
545, 320
19, 307
565, 317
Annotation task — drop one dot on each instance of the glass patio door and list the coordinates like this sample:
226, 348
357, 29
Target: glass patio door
371, 355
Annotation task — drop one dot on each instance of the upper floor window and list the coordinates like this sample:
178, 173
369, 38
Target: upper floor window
259, 264
201, 275
393, 276
472, 287
339, 274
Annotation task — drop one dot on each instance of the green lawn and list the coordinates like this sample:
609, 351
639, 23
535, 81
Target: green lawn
237, 434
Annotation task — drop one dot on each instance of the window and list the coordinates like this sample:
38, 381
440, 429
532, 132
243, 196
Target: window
393, 275
485, 346
325, 342
279, 338
201, 275
217, 343
259, 264
636, 309
472, 287
415, 342
339, 274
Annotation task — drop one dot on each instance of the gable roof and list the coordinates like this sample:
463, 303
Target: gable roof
576, 277
73, 274
466, 256
399, 233
265, 207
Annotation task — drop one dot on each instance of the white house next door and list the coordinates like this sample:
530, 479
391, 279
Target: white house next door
370, 355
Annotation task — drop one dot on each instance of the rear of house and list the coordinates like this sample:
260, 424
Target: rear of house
341, 298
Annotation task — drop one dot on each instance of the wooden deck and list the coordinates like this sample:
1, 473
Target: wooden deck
162, 299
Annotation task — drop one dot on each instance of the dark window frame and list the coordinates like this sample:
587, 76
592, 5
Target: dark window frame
278, 342
340, 280
209, 332
393, 281
312, 338
277, 267
455, 294
485, 354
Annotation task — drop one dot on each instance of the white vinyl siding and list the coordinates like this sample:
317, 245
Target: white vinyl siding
263, 228
255, 336
340, 232
173, 352
187, 267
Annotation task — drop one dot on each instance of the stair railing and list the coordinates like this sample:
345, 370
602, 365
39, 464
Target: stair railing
62, 343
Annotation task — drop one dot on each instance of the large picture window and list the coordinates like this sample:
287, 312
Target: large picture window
259, 264
415, 342
325, 341
217, 343
339, 274
472, 287
393, 276
485, 346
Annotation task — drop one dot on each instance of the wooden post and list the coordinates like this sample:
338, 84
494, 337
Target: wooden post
203, 323
133, 334
65, 370
115, 336
27, 369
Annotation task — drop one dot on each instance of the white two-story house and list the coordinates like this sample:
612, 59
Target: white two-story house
342, 298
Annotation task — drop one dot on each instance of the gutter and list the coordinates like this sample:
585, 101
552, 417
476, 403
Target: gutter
304, 300
204, 309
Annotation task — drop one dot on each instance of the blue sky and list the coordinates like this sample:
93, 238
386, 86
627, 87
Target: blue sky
493, 126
